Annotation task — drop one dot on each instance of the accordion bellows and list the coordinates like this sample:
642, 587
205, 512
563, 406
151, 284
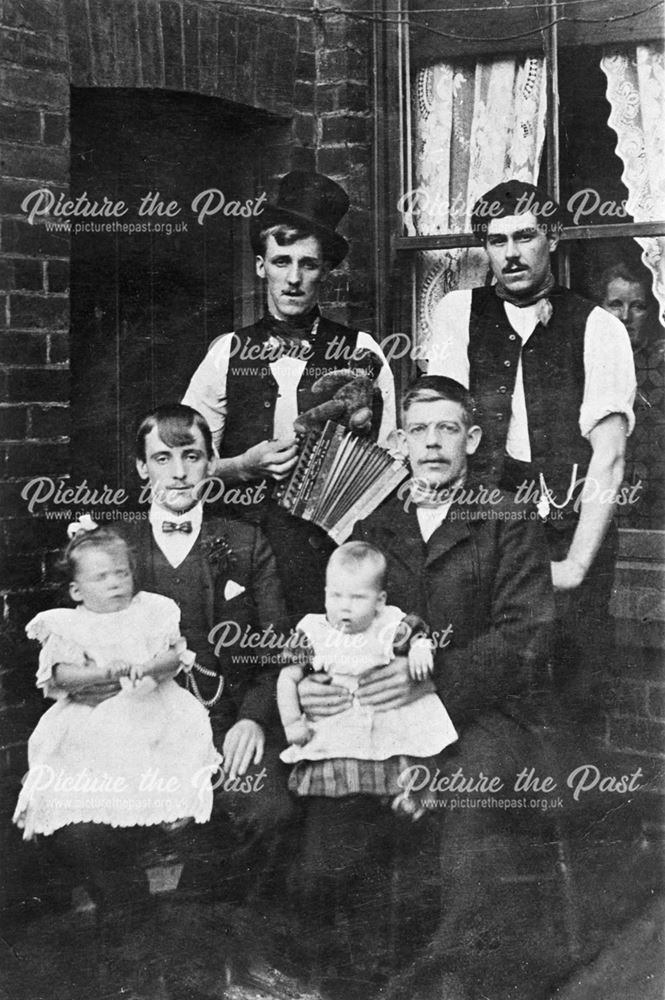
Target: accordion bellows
339, 479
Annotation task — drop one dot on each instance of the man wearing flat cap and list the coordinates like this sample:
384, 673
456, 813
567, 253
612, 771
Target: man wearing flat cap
554, 381
256, 382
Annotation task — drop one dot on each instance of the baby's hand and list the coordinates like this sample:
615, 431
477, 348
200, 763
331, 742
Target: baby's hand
136, 672
298, 732
117, 669
421, 661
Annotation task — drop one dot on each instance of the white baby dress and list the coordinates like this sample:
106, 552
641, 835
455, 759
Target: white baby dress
143, 756
421, 729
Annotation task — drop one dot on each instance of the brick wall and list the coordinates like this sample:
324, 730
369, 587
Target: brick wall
313, 72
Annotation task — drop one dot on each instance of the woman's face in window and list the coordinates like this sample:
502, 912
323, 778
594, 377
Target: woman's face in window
627, 301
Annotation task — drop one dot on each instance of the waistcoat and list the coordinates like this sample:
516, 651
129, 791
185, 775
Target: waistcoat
553, 374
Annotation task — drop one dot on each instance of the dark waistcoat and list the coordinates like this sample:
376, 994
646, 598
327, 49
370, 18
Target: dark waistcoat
252, 391
186, 585
553, 374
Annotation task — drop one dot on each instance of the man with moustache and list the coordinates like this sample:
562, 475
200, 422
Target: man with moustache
554, 381
220, 572
478, 574
254, 383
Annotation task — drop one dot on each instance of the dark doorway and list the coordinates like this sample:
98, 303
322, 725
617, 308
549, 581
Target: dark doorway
147, 301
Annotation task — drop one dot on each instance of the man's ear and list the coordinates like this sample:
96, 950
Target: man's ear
74, 592
260, 266
552, 241
142, 468
397, 442
473, 436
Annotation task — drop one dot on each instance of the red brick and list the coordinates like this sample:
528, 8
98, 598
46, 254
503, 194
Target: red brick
30, 459
339, 160
342, 33
21, 571
80, 47
173, 43
37, 385
39, 311
656, 701
23, 349
14, 191
21, 237
343, 128
643, 736
22, 86
103, 44
50, 421
208, 31
13, 423
341, 64
22, 607
56, 132
32, 534
42, 17
43, 51
191, 46
7, 275
246, 66
152, 59
11, 502
40, 162
304, 128
58, 275
19, 124
28, 275
126, 43
227, 48
306, 66
58, 348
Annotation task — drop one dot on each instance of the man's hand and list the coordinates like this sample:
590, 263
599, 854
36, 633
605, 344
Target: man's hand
392, 686
95, 694
320, 698
243, 746
566, 574
274, 459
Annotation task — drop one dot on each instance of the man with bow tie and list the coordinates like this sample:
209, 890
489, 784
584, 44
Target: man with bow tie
554, 381
222, 574
254, 383
477, 571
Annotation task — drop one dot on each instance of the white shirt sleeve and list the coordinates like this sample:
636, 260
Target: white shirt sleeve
448, 349
386, 385
206, 391
609, 383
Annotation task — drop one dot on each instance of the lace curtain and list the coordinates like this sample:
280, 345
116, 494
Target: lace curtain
635, 92
474, 126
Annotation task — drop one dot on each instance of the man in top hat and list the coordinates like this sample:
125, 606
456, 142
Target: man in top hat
255, 382
554, 381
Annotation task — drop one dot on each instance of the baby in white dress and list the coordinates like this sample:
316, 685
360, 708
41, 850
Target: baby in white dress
358, 751
143, 756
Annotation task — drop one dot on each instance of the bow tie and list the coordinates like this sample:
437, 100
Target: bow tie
170, 526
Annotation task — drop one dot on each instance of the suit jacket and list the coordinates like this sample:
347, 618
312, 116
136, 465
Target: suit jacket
483, 584
238, 552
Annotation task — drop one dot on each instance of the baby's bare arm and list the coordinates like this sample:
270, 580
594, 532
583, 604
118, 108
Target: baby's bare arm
294, 723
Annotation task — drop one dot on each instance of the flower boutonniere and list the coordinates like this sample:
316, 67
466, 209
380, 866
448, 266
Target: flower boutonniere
218, 553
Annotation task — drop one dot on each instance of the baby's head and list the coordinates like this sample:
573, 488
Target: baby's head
99, 566
355, 581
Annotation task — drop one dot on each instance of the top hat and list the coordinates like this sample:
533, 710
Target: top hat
307, 201
514, 197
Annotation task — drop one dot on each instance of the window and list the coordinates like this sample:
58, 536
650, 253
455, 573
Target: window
567, 96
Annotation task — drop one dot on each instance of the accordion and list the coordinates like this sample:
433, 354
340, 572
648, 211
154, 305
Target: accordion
339, 479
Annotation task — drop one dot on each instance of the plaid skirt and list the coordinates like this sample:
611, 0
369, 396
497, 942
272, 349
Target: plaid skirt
347, 776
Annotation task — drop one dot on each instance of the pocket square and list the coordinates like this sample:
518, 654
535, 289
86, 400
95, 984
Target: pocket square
232, 589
